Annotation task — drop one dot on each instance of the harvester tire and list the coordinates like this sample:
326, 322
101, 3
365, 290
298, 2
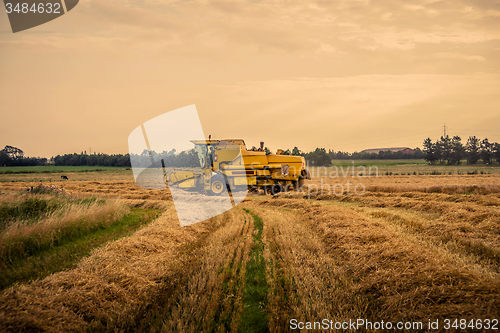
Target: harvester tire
218, 185
277, 188
268, 190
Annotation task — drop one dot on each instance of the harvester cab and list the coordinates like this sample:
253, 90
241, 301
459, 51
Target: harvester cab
214, 156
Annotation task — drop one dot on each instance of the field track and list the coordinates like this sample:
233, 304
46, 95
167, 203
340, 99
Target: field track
395, 254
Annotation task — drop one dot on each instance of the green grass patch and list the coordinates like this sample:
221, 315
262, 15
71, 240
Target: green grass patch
379, 162
70, 251
375, 168
39, 224
254, 316
29, 210
56, 169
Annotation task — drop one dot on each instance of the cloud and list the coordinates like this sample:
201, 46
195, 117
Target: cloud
318, 71
455, 55
231, 7
114, 12
350, 112
269, 38
327, 49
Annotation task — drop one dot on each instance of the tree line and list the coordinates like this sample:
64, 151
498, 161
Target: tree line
448, 150
321, 157
170, 159
12, 156
82, 159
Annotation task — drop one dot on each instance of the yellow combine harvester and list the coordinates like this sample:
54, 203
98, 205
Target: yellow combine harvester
228, 165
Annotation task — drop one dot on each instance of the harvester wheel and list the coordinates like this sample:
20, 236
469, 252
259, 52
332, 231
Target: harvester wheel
268, 190
277, 188
218, 185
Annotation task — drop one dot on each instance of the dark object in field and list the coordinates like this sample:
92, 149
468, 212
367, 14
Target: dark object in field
64, 177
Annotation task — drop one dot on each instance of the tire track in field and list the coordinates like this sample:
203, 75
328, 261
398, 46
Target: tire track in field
210, 296
464, 226
108, 290
305, 282
478, 254
338, 262
254, 317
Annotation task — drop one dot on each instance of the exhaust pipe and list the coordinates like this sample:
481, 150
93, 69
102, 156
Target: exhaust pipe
262, 145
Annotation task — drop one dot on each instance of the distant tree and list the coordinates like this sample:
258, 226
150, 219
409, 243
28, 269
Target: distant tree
267, 150
356, 155
438, 151
4, 158
12, 156
13, 153
496, 151
319, 157
472, 148
386, 155
37, 160
457, 150
418, 154
296, 151
181, 160
430, 151
286, 152
446, 149
486, 152
342, 155
142, 160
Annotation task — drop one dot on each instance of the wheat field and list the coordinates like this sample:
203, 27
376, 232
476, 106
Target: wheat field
409, 249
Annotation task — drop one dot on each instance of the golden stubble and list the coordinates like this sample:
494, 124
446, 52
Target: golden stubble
398, 252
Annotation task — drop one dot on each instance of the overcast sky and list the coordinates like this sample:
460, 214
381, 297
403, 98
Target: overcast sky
344, 75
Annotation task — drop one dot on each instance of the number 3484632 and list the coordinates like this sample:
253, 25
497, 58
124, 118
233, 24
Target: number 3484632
36, 8
484, 324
